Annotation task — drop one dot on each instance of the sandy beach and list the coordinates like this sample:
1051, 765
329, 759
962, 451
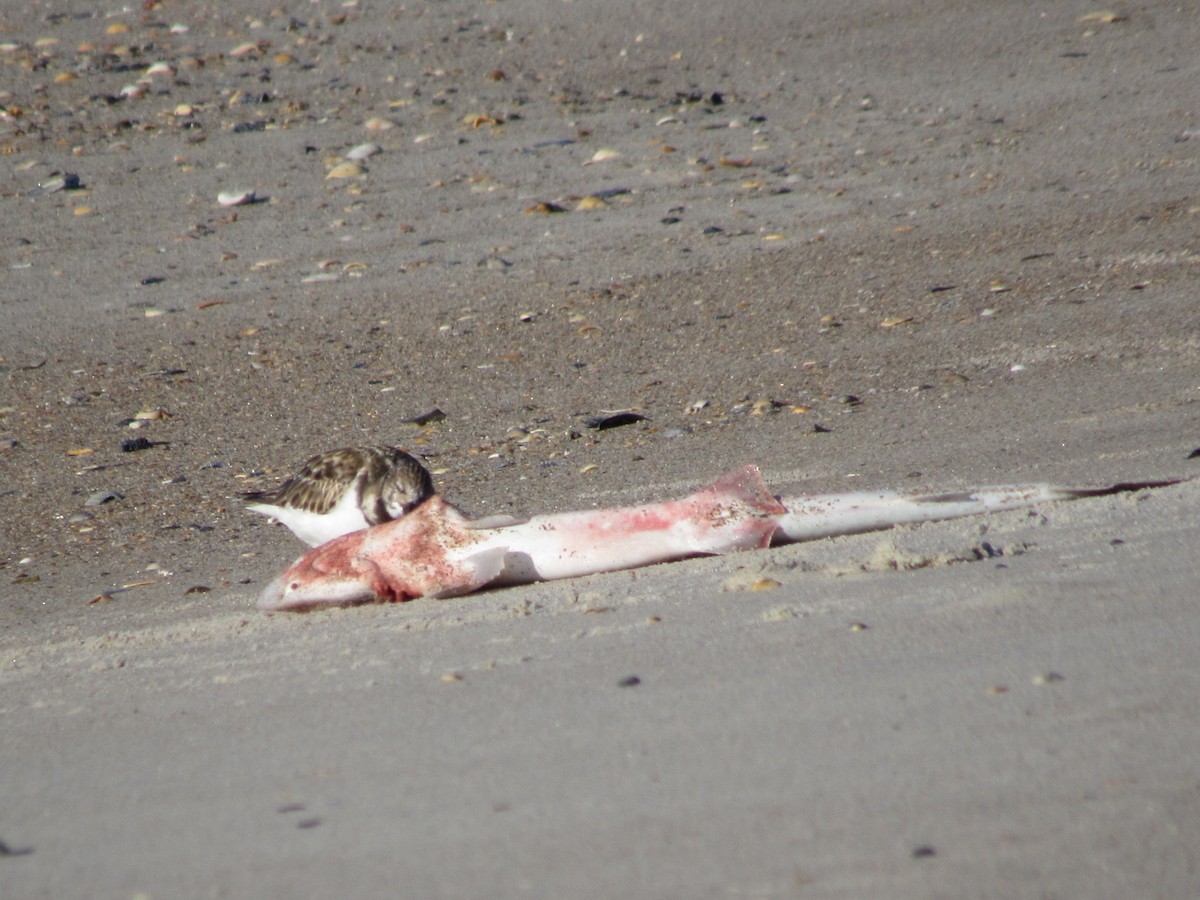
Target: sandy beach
865, 245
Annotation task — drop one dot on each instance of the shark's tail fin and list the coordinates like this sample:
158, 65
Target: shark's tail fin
814, 516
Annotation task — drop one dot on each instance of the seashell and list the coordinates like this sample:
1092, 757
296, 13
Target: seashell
747, 581
363, 151
284, 59
603, 155
68, 181
614, 420
478, 120
82, 211
133, 91
591, 201
64, 77
247, 49
117, 28
99, 498
740, 163
543, 207
235, 198
178, 28
183, 110
152, 415
377, 124
160, 68
345, 170
765, 584
893, 321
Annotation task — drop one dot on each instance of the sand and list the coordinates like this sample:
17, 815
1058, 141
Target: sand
859, 245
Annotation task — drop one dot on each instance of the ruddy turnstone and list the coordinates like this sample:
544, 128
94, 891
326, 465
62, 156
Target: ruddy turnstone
345, 490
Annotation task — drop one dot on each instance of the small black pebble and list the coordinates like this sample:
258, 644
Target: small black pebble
133, 445
923, 851
1195, 454
6, 850
629, 681
153, 279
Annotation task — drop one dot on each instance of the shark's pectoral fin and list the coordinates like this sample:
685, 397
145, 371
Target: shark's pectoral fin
479, 569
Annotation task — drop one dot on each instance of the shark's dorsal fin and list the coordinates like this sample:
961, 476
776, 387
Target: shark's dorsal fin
501, 520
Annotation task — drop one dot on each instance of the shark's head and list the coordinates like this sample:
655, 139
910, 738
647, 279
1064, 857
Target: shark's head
330, 575
294, 591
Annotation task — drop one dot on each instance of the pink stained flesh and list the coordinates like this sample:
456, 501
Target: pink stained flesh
436, 551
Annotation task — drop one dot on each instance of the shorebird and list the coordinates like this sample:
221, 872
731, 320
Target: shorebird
346, 490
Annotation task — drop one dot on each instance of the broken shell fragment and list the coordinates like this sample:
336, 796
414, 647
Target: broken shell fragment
68, 181
614, 419
363, 151
345, 170
235, 198
602, 155
479, 120
151, 415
